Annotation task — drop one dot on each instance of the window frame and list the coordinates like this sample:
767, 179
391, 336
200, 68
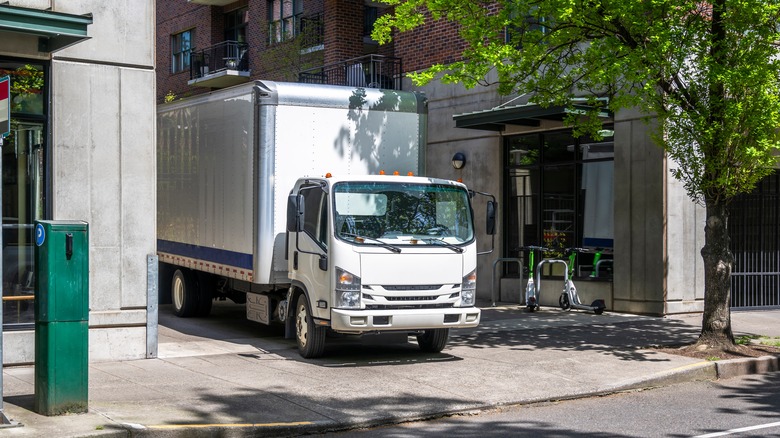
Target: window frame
181, 57
286, 25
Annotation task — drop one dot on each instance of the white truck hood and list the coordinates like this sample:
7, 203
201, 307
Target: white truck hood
407, 269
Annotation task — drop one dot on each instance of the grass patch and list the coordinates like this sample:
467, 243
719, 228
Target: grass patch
772, 341
745, 340
713, 358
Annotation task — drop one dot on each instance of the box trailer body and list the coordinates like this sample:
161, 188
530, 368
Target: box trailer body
230, 164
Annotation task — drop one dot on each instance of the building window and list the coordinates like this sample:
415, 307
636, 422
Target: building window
369, 18
25, 182
560, 195
181, 49
283, 19
235, 25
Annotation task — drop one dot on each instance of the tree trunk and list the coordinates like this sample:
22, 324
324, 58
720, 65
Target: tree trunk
718, 261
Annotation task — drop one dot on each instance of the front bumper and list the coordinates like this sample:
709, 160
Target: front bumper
361, 321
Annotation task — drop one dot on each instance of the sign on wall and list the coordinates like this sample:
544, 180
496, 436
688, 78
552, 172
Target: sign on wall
5, 106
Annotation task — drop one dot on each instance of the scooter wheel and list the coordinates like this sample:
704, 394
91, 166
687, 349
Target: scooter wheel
563, 301
598, 311
531, 309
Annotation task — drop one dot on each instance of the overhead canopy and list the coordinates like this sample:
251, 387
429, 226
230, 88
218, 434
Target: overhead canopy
524, 115
55, 30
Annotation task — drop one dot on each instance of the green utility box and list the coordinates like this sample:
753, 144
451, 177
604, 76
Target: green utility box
61, 317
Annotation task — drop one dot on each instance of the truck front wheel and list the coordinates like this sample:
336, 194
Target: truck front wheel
434, 340
184, 294
311, 338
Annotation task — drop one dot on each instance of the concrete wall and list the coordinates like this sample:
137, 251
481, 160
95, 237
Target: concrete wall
685, 239
103, 160
659, 231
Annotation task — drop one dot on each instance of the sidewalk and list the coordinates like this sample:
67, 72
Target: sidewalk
224, 375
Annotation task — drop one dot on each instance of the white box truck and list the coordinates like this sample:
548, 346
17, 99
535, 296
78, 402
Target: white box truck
295, 199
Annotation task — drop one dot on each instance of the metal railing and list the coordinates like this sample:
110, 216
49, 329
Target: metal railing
755, 245
370, 71
227, 55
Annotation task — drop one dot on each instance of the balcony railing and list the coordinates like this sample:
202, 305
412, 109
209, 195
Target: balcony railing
220, 65
371, 71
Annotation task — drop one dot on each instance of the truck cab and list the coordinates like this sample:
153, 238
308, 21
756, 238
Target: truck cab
380, 253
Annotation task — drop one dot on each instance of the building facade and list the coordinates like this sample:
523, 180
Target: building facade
80, 147
616, 197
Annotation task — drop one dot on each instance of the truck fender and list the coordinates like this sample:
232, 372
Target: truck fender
289, 308
295, 290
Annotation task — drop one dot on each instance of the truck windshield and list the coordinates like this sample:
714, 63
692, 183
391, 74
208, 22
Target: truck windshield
399, 213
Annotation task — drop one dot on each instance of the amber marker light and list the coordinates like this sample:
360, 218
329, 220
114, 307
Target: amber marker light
346, 278
381, 172
396, 173
410, 174
328, 175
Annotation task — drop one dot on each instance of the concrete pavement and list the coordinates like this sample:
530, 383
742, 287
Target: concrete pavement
227, 376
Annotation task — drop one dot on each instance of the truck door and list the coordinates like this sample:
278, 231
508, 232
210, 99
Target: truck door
313, 242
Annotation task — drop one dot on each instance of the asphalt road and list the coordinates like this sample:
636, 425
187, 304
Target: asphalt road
741, 407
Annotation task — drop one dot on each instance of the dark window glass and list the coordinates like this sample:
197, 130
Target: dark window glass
23, 176
181, 50
560, 196
235, 25
315, 215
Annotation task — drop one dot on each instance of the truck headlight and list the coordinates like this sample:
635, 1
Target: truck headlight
347, 290
468, 289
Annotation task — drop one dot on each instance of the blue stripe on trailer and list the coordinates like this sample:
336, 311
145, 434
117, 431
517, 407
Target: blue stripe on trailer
222, 256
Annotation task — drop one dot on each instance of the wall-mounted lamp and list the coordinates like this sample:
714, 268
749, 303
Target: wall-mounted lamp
458, 160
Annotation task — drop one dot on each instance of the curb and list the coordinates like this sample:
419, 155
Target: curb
694, 372
727, 369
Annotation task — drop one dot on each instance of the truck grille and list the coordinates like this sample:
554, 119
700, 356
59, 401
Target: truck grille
409, 306
431, 298
413, 287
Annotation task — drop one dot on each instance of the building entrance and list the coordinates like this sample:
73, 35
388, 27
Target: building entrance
23, 170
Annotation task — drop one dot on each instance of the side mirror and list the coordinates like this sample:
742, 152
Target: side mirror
295, 213
490, 219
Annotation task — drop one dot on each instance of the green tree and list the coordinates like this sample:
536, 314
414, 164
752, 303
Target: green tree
707, 71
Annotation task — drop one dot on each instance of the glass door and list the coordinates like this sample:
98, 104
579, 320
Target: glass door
23, 177
22, 157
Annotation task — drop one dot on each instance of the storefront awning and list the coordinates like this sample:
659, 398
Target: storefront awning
55, 30
529, 114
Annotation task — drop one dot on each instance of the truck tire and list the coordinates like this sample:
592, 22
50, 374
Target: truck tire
184, 293
310, 337
433, 340
206, 285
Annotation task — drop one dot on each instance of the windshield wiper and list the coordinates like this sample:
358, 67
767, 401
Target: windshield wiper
387, 246
443, 243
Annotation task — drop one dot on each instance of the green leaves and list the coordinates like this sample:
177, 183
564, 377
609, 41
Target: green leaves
708, 71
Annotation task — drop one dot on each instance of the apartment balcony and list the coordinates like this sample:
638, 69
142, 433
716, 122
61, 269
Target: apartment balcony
219, 66
370, 71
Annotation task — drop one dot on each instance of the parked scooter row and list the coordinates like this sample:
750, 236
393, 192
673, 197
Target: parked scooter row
569, 298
